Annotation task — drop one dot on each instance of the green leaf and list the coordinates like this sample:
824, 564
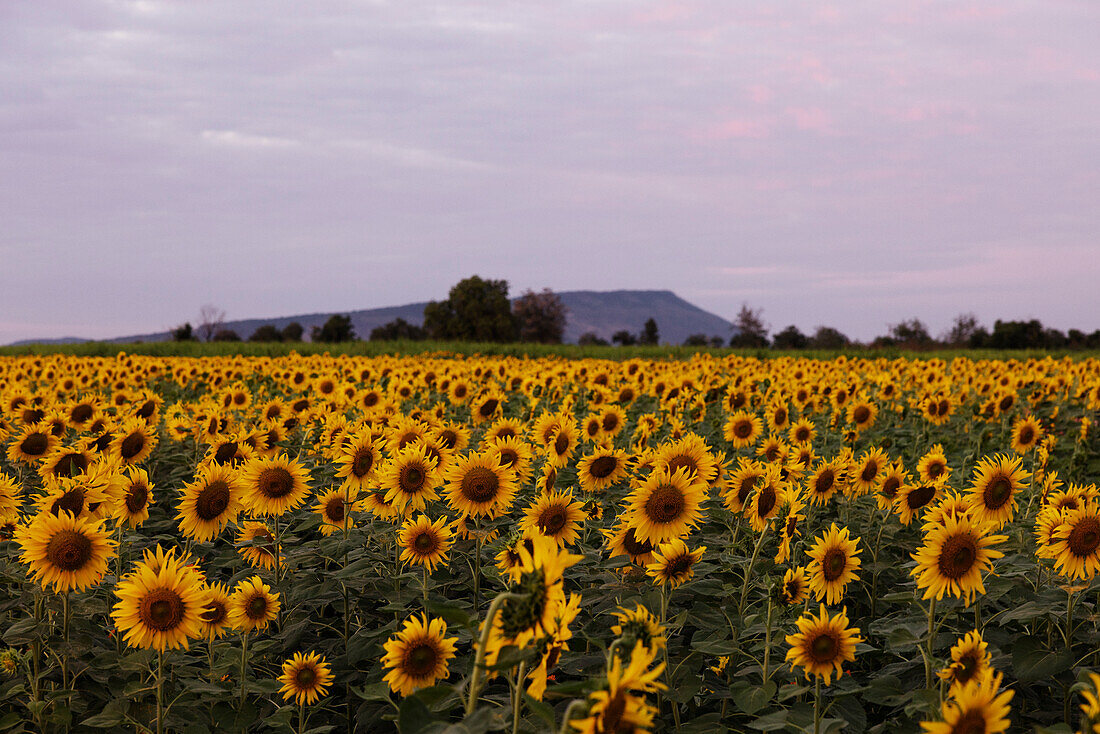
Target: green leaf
413, 716
1032, 661
751, 699
450, 613
774, 721
539, 709
511, 656
10, 720
22, 632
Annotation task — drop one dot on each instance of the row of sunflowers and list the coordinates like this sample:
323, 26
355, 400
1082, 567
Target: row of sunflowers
447, 543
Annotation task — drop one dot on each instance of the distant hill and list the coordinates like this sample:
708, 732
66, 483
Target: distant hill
602, 312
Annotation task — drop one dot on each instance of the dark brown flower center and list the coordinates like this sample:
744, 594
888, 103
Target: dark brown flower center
256, 608
80, 413
552, 520
215, 612
957, 556
275, 482
679, 566
69, 550
997, 492
480, 484
225, 452
131, 446
833, 564
72, 501
971, 722
161, 609
362, 463
870, 471
488, 407
1027, 435
561, 444
35, 444
425, 543
635, 547
136, 497
824, 648
603, 467
742, 429
824, 481
448, 438
305, 677
920, 497
890, 487
1085, 537
861, 414
665, 504
212, 501
70, 465
765, 502
935, 468
420, 660
334, 509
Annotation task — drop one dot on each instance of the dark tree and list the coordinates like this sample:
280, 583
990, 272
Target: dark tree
1016, 335
266, 333
624, 338
476, 310
962, 330
211, 319
225, 335
790, 338
337, 329
649, 336
396, 330
292, 332
540, 317
696, 340
183, 333
591, 338
910, 334
826, 337
717, 342
749, 329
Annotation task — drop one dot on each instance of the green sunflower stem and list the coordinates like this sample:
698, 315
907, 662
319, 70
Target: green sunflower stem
817, 705
768, 641
65, 637
517, 702
477, 565
301, 716
928, 643
160, 691
574, 705
424, 568
1069, 623
748, 571
244, 667
483, 643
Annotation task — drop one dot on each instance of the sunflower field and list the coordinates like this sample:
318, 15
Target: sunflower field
461, 543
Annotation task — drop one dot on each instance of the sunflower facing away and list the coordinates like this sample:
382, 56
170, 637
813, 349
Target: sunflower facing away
161, 608
823, 644
425, 543
273, 486
953, 557
64, 551
835, 560
418, 656
666, 505
305, 678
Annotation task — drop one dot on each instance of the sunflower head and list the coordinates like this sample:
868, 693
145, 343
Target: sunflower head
823, 644
305, 678
418, 655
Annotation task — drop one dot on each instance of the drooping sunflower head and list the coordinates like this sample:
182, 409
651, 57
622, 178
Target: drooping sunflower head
638, 625
305, 678
418, 656
769, 497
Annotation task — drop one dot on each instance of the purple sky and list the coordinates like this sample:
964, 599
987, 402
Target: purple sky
852, 164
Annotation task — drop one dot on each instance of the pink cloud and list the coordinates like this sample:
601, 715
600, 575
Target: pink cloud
811, 118
761, 94
737, 127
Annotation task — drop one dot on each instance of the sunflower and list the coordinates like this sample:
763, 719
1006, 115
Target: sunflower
834, 562
772, 450
673, 563
992, 494
769, 497
666, 505
214, 619
65, 551
823, 644
161, 608
334, 507
357, 460
553, 645
31, 444
502, 428
418, 656
894, 477
210, 503
477, 485
638, 625
932, 467
133, 442
743, 429
273, 486
601, 469
256, 544
788, 528
64, 462
622, 541
423, 542
970, 660
977, 706
134, 507
305, 678
536, 586
253, 605
953, 557
1026, 433
912, 498
779, 417
795, 587
691, 453
615, 708
867, 472
487, 406
612, 420
862, 414
1075, 543
512, 453
952, 504
78, 497
555, 515
410, 478
10, 495
562, 444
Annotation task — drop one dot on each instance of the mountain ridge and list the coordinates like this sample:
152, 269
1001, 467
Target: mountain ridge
601, 312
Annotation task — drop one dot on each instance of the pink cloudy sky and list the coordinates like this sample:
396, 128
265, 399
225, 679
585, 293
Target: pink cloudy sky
850, 164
